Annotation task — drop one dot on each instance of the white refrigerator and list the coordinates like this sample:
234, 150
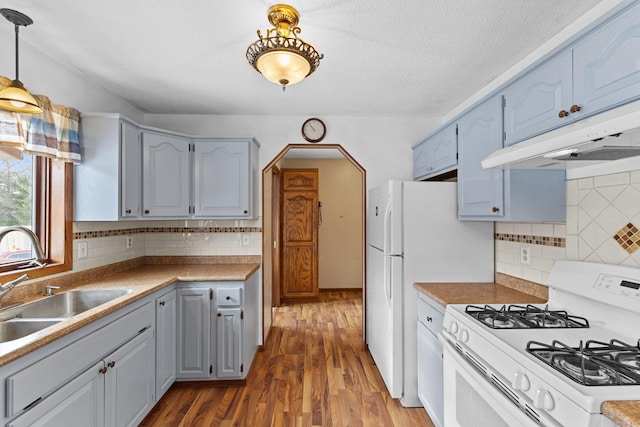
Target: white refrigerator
413, 235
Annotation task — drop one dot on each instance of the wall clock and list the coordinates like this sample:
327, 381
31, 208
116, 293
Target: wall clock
314, 130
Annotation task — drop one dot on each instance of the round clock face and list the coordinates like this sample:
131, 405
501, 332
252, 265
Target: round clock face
313, 130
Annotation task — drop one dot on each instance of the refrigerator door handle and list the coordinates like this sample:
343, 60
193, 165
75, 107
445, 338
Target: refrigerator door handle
387, 278
386, 244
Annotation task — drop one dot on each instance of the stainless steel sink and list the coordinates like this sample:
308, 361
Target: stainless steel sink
13, 329
68, 304
18, 322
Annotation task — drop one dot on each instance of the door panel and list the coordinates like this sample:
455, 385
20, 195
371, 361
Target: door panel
299, 233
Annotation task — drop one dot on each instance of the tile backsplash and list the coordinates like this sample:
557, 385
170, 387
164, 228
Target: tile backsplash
107, 241
603, 218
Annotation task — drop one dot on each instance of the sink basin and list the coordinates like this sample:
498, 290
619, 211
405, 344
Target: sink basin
13, 329
67, 304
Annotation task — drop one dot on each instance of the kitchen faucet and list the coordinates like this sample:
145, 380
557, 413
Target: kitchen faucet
4, 289
35, 242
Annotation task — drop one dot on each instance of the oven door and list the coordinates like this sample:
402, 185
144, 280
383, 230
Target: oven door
470, 400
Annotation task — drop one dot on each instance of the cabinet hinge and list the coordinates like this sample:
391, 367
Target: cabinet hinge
211, 369
242, 367
210, 293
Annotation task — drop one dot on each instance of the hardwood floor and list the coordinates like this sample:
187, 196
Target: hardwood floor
314, 371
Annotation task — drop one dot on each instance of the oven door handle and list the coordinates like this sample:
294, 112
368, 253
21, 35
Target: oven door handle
452, 356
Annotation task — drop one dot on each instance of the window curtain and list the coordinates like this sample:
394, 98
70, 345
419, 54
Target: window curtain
53, 133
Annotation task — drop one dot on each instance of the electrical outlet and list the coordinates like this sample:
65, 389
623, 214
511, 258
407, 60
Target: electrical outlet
82, 249
525, 255
245, 239
129, 242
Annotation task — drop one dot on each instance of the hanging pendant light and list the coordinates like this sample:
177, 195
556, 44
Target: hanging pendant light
16, 97
281, 57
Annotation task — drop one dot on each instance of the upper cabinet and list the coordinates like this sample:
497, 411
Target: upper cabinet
540, 101
437, 154
496, 194
606, 66
131, 172
225, 177
107, 182
166, 172
599, 72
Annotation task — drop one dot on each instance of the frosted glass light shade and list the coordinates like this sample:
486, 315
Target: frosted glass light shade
16, 97
283, 67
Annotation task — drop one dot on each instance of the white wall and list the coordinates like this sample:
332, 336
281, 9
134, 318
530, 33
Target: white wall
63, 84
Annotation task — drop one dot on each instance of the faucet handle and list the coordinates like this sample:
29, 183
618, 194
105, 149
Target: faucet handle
48, 290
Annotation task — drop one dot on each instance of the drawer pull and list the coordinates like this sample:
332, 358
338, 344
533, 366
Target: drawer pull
429, 319
219, 314
103, 370
575, 108
563, 113
161, 302
228, 298
111, 364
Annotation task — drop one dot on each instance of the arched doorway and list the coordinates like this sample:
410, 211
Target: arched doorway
309, 155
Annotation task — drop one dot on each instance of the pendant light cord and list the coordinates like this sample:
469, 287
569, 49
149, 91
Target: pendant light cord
17, 53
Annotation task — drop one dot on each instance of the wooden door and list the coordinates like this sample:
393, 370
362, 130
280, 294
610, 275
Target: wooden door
275, 236
299, 255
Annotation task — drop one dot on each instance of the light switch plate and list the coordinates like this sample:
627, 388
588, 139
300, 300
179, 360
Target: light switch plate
82, 249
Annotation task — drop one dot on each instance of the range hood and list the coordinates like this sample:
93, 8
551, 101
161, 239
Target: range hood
611, 135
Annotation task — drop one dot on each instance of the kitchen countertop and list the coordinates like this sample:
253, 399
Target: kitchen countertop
475, 293
142, 281
624, 413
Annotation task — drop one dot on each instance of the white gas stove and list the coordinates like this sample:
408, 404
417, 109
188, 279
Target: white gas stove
551, 364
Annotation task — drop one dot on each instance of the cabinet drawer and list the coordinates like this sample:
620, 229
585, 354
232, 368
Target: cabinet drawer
229, 297
429, 316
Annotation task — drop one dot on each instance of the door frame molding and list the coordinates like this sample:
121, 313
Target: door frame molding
268, 246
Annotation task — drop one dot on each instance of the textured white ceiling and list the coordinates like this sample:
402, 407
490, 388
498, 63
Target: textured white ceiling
403, 58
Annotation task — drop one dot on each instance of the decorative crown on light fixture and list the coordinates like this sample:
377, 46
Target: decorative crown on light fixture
281, 57
16, 97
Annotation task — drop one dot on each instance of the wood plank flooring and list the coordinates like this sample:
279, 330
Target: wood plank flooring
314, 371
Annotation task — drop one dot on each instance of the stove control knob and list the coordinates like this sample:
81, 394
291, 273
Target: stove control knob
521, 381
453, 327
543, 400
464, 335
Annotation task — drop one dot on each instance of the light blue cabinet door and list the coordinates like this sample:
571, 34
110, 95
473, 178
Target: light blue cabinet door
129, 381
534, 102
78, 403
166, 175
194, 333
130, 175
436, 154
229, 339
480, 191
606, 64
222, 179
166, 341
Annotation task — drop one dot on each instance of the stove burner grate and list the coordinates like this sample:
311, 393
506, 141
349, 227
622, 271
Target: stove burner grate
593, 363
524, 317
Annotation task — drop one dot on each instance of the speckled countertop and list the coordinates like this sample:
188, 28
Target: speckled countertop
509, 290
141, 280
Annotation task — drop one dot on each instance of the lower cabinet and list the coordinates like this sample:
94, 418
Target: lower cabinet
116, 391
217, 329
430, 380
166, 342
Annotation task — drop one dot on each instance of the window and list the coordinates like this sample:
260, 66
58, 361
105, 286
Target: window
36, 193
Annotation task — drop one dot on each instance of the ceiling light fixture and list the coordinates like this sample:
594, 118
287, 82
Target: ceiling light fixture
16, 97
281, 57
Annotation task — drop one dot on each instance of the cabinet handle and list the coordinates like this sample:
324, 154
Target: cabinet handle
111, 364
161, 302
495, 209
146, 211
219, 314
246, 211
429, 319
128, 211
563, 113
103, 370
575, 108
228, 298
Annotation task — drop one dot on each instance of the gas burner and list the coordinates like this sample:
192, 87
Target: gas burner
524, 317
594, 363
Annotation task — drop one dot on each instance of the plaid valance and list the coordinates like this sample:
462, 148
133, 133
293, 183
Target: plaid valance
53, 133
